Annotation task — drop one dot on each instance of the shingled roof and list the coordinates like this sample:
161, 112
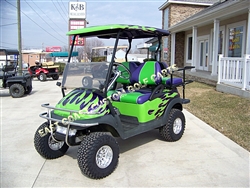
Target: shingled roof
190, 2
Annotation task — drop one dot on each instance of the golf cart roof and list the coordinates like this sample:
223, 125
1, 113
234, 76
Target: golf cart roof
127, 31
9, 52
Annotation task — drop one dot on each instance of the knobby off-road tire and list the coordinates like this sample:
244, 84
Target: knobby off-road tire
98, 155
175, 126
16, 90
46, 146
55, 77
42, 77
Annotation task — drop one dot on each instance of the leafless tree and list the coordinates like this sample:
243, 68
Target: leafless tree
80, 54
65, 49
91, 43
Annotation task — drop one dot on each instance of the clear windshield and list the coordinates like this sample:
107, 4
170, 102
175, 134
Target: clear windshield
85, 75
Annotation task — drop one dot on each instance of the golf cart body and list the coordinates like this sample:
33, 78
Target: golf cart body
44, 70
18, 85
124, 100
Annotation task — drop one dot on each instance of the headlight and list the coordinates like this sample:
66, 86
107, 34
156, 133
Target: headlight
63, 130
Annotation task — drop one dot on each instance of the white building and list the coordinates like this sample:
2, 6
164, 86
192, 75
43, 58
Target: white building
120, 57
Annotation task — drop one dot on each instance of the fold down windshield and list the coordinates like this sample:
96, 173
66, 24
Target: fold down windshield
85, 75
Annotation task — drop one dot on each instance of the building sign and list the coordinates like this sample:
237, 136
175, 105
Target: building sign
53, 49
76, 24
235, 41
77, 10
78, 41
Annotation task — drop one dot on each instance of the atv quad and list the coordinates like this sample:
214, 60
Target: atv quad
44, 70
129, 99
18, 85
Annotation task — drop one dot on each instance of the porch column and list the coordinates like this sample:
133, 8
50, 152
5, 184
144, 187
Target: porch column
172, 48
248, 33
215, 47
194, 48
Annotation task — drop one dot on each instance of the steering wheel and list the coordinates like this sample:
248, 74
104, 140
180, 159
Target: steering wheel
125, 74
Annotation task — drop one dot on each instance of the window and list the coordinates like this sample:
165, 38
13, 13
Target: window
235, 41
165, 46
165, 40
189, 47
220, 47
166, 15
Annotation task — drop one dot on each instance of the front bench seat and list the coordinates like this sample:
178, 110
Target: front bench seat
145, 74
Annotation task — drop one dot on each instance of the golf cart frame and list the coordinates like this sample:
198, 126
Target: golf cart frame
156, 104
44, 70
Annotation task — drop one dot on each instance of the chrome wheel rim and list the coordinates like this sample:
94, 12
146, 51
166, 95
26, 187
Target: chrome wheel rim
177, 127
85, 82
104, 157
54, 145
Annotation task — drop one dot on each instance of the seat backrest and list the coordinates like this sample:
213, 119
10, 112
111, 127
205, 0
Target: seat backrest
148, 73
132, 66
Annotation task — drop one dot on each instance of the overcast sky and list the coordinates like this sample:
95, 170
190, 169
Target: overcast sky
45, 22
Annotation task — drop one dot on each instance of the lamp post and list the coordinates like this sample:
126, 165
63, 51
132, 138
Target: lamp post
85, 56
20, 62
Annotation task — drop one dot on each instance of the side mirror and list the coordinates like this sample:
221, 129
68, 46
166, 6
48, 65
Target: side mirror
58, 84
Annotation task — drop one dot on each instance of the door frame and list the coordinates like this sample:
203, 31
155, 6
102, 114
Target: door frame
204, 39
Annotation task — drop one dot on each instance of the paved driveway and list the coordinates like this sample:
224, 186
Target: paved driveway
203, 157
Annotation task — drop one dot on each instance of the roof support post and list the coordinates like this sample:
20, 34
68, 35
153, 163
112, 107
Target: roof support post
248, 33
173, 35
215, 47
194, 48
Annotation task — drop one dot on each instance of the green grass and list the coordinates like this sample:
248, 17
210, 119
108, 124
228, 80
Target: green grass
229, 114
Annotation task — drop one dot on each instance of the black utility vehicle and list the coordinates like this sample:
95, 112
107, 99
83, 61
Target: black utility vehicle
18, 85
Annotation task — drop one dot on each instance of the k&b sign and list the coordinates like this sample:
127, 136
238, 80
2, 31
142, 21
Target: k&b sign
77, 10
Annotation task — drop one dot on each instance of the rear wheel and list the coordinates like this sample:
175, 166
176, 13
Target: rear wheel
16, 90
55, 77
175, 126
42, 77
87, 81
46, 146
98, 155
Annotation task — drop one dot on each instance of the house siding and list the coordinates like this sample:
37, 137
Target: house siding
179, 49
178, 13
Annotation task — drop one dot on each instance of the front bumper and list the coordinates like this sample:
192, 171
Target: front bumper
65, 130
47, 115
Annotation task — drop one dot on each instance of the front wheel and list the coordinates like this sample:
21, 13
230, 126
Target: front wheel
175, 126
55, 77
29, 89
46, 146
42, 77
16, 90
98, 155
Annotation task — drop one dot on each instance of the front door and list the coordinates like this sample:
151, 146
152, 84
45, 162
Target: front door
203, 54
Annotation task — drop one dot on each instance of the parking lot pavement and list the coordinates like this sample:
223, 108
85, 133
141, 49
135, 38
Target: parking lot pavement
203, 156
